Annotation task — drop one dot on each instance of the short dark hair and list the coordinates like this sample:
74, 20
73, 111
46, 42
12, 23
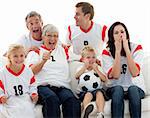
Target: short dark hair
31, 14
110, 43
87, 8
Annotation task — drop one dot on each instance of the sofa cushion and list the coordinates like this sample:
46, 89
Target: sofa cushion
146, 73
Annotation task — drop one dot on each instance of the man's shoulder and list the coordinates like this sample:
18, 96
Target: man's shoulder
73, 27
24, 38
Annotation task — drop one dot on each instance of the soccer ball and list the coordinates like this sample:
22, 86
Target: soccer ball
89, 81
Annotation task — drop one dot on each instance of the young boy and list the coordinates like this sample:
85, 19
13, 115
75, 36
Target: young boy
87, 91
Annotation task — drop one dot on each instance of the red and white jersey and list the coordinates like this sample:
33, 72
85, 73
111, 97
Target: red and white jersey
27, 41
94, 36
17, 84
126, 78
55, 71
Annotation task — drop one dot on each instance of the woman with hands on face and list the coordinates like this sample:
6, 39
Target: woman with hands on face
122, 61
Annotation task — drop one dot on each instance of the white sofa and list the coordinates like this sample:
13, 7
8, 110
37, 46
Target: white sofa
107, 109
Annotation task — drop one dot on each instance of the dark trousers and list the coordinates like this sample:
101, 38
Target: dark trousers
52, 97
134, 94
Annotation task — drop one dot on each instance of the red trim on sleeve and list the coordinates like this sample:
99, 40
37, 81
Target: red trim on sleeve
109, 71
30, 65
69, 29
66, 51
139, 47
138, 66
32, 80
104, 32
34, 94
105, 52
36, 51
2, 86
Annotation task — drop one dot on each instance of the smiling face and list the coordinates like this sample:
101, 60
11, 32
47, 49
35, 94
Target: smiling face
34, 24
50, 40
17, 57
79, 17
89, 57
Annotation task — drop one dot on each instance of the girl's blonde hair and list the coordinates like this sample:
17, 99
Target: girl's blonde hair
87, 49
14, 47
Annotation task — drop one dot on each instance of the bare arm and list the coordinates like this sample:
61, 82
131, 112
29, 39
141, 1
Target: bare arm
80, 72
131, 64
115, 73
100, 74
38, 67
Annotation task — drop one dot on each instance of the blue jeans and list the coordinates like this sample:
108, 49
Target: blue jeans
134, 94
52, 97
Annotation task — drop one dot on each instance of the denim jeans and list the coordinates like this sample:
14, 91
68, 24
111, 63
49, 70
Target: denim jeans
134, 94
52, 97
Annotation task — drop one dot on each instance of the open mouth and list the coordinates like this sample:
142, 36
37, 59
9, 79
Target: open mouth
35, 31
52, 45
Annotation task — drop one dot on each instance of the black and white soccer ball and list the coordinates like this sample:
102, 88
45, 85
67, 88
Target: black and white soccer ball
89, 81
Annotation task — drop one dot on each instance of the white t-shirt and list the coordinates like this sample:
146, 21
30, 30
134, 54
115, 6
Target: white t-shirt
17, 87
17, 84
55, 71
27, 41
94, 36
125, 79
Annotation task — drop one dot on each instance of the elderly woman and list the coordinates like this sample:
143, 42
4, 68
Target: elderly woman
122, 61
50, 66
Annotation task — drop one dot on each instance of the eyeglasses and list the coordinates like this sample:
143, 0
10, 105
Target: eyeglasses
50, 36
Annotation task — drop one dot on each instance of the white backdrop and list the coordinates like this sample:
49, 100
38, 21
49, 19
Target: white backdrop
134, 13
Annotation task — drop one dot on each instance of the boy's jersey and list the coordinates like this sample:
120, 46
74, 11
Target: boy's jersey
55, 71
94, 36
17, 84
125, 78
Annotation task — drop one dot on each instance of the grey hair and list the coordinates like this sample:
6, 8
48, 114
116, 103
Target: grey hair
33, 13
49, 28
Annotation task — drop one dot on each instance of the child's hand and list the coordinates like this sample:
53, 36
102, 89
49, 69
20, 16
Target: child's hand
86, 64
95, 67
34, 97
98, 62
3, 99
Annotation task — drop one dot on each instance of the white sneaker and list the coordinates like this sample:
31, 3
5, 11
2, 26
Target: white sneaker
88, 110
100, 115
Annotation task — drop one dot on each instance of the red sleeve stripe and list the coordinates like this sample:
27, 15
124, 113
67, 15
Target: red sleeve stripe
30, 65
105, 52
32, 80
109, 71
66, 51
69, 29
104, 32
137, 65
2, 86
34, 94
36, 51
139, 47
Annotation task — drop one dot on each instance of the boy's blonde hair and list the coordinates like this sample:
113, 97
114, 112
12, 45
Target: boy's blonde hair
14, 47
87, 49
